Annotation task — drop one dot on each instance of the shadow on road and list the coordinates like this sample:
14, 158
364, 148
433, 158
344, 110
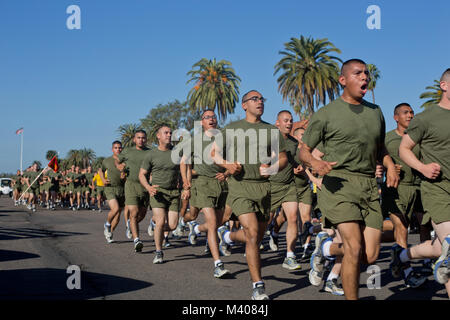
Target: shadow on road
26, 233
8, 255
48, 283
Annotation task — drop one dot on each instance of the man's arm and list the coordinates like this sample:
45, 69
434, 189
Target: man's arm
186, 176
143, 180
392, 177
431, 170
320, 166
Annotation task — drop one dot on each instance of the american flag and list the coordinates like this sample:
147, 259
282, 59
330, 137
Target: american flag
19, 131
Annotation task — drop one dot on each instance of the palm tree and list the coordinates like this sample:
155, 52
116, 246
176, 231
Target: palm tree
374, 75
97, 163
434, 95
308, 73
127, 132
73, 158
86, 157
50, 154
216, 86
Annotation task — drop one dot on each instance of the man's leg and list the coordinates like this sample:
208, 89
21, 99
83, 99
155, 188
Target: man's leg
250, 224
350, 270
159, 217
400, 230
305, 216
291, 211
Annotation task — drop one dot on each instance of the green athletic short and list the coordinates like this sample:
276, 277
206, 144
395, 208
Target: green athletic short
350, 197
100, 191
116, 193
436, 201
249, 196
399, 201
305, 195
208, 193
135, 194
281, 193
166, 198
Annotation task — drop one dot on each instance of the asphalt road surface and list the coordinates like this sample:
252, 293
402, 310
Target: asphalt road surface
36, 250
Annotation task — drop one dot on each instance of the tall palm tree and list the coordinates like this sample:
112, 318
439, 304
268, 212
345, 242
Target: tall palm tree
127, 132
374, 75
308, 73
434, 95
86, 157
216, 86
50, 154
73, 158
97, 163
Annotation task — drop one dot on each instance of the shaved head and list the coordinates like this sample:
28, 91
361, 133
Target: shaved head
346, 64
445, 76
283, 111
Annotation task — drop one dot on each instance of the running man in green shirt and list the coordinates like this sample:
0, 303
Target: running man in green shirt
254, 150
136, 197
352, 132
430, 129
163, 191
114, 190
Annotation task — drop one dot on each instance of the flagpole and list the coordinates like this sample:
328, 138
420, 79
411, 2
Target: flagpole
33, 182
21, 152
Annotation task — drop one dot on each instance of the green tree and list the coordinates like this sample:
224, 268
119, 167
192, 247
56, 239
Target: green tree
127, 132
175, 114
308, 73
374, 75
86, 157
97, 163
216, 86
50, 154
73, 158
434, 95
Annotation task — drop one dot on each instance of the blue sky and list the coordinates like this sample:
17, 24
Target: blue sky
72, 89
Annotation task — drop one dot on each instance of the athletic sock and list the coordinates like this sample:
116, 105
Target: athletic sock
136, 240
217, 262
326, 248
332, 276
197, 232
108, 224
256, 283
290, 254
226, 237
404, 256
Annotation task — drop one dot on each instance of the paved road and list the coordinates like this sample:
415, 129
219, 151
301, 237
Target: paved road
36, 250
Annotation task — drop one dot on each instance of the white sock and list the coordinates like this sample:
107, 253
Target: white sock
332, 276
128, 223
256, 283
290, 254
404, 256
136, 240
216, 263
305, 246
227, 239
197, 232
326, 248
108, 224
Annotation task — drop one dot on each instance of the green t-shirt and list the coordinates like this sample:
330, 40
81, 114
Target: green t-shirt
76, 178
407, 174
164, 172
89, 177
109, 164
352, 135
133, 159
431, 130
200, 156
287, 174
250, 144
31, 175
